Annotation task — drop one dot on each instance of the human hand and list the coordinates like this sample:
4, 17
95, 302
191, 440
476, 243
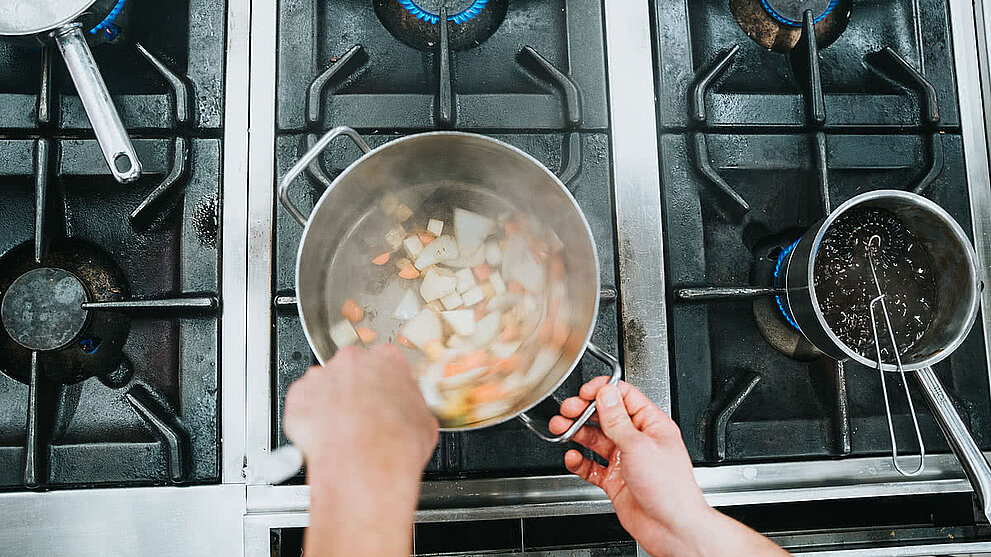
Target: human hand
649, 476
366, 434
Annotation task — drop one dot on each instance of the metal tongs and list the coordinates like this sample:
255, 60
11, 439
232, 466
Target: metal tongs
874, 244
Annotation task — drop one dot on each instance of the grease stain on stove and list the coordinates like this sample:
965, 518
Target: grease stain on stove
206, 220
635, 336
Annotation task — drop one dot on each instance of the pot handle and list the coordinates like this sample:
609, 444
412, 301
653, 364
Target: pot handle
308, 158
967, 451
544, 433
110, 133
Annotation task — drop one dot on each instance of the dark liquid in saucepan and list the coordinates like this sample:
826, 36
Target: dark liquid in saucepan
845, 287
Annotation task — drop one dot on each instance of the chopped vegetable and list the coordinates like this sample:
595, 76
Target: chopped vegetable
486, 329
461, 321
413, 245
456, 342
516, 287
473, 296
482, 272
408, 306
434, 350
466, 281
487, 392
426, 237
343, 334
495, 279
472, 360
409, 272
436, 306
493, 255
366, 335
395, 236
560, 336
382, 259
440, 250
389, 204
452, 301
402, 213
504, 349
488, 290
481, 308
435, 226
542, 363
519, 263
352, 311
437, 283
423, 328
471, 229
404, 341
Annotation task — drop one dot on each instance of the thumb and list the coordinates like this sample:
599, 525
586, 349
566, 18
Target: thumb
614, 419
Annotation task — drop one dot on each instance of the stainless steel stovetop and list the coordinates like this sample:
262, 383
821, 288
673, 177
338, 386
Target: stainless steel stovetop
582, 98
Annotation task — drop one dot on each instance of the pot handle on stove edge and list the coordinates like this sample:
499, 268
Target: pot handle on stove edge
974, 464
307, 159
544, 433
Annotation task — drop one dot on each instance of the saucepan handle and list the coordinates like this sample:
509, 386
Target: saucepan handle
967, 451
103, 116
541, 430
308, 158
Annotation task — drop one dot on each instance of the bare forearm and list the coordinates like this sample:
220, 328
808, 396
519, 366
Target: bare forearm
723, 535
367, 514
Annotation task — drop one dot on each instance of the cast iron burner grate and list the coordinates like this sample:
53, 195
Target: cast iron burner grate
415, 22
780, 25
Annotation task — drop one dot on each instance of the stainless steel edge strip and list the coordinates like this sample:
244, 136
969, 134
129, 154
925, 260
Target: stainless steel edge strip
637, 198
234, 241
927, 550
964, 18
200, 520
261, 188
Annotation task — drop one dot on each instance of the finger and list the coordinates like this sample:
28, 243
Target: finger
589, 389
573, 407
584, 468
589, 437
644, 413
614, 418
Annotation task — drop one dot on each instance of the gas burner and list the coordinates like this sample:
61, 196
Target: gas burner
777, 24
429, 10
415, 22
771, 313
792, 12
40, 306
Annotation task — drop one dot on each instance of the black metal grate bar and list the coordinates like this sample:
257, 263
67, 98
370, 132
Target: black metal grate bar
816, 100
935, 168
46, 92
445, 110
42, 151
160, 421
154, 202
185, 304
33, 446
723, 416
705, 166
705, 80
181, 91
339, 69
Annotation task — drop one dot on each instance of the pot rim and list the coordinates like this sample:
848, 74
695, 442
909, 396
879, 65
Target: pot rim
957, 231
395, 143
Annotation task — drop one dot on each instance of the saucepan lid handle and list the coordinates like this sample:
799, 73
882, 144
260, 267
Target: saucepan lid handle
541, 431
307, 159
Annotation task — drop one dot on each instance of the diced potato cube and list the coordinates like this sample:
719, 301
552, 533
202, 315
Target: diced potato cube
493, 255
466, 280
413, 246
402, 213
435, 226
394, 237
452, 301
495, 279
437, 283
461, 321
473, 296
343, 334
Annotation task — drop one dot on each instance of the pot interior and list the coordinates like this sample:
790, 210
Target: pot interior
433, 173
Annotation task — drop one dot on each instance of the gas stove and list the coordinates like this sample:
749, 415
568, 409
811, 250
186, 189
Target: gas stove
109, 293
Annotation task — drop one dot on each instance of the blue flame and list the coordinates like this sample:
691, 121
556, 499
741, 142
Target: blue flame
463, 16
108, 21
778, 269
784, 20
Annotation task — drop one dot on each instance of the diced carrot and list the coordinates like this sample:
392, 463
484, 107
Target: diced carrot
366, 335
426, 238
382, 259
352, 311
468, 362
510, 332
481, 308
516, 287
559, 337
487, 392
409, 272
482, 272
404, 341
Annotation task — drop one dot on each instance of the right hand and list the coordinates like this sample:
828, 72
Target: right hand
649, 476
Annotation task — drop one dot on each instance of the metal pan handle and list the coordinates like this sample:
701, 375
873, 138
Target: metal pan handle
541, 430
103, 116
967, 451
308, 158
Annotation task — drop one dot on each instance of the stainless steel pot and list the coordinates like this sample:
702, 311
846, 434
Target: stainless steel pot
470, 171
958, 291
59, 21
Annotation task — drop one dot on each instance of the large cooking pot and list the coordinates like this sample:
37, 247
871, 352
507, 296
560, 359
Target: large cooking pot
471, 171
40, 22
957, 302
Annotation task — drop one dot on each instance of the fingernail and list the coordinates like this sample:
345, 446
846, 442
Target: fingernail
610, 396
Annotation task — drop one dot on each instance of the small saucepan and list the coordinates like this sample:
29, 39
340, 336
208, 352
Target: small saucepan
957, 290
473, 172
40, 22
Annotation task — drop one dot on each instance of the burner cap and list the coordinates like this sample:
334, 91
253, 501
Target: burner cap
42, 309
459, 11
791, 12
